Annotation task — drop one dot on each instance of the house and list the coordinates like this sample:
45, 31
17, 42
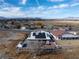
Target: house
38, 40
65, 35
23, 28
69, 36
58, 32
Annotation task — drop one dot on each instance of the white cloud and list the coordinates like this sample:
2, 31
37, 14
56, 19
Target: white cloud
12, 12
3, 4
23, 2
9, 10
61, 6
65, 5
56, 0
74, 4
41, 11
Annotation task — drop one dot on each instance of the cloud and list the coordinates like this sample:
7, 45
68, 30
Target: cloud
56, 0
23, 2
74, 4
3, 4
41, 12
61, 6
12, 12
9, 10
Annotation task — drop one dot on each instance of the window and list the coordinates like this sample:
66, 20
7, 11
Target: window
24, 45
34, 34
40, 35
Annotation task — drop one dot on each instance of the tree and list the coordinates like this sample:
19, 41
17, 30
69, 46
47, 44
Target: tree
41, 24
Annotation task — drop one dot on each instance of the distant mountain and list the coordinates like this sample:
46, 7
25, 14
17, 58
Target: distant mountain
72, 18
2, 17
39, 19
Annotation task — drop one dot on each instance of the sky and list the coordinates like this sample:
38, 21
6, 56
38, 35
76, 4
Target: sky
47, 9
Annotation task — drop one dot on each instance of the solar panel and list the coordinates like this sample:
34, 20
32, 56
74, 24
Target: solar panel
40, 35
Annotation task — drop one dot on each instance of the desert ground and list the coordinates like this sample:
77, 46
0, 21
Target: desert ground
59, 22
9, 40
56, 22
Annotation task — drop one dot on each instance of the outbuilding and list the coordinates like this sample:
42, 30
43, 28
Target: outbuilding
69, 36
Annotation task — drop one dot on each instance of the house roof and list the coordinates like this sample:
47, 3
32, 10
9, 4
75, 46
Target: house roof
69, 35
58, 32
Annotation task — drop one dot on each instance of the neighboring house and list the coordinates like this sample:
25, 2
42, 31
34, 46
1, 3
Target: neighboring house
23, 28
58, 32
69, 36
65, 35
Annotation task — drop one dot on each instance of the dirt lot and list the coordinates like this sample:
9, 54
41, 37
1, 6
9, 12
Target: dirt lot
57, 23
9, 40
